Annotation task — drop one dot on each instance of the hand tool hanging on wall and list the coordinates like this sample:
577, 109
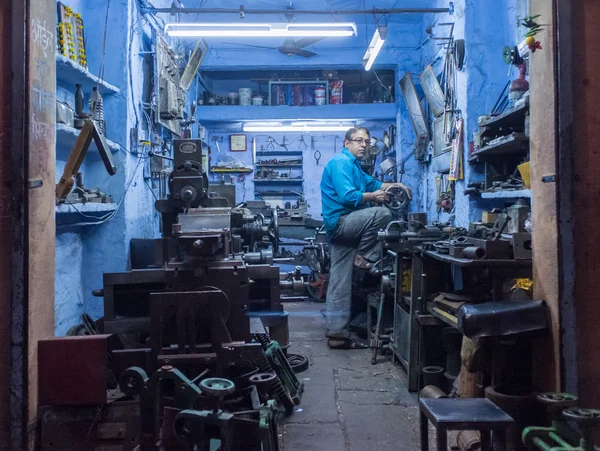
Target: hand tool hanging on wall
316, 153
217, 140
302, 144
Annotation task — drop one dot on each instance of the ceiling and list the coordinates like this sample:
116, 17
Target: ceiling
404, 30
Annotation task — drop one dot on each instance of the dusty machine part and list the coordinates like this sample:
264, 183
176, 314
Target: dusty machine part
115, 424
469, 440
254, 430
433, 375
523, 407
432, 391
277, 362
473, 252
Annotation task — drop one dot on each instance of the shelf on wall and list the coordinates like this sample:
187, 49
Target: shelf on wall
507, 194
67, 214
279, 165
281, 180
347, 111
65, 140
273, 153
70, 73
510, 144
231, 171
514, 117
278, 193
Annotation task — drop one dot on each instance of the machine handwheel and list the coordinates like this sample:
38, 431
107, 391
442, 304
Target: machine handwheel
262, 378
583, 417
560, 400
216, 386
273, 230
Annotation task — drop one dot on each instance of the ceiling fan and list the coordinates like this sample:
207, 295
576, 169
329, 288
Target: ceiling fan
289, 47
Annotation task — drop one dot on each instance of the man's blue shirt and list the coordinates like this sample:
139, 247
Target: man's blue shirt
342, 186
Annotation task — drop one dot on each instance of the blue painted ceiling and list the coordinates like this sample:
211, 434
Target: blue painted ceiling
405, 31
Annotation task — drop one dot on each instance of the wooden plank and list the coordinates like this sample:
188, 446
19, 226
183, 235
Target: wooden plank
543, 195
41, 120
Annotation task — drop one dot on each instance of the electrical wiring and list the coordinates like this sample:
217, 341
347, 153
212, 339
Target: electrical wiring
149, 187
101, 70
379, 80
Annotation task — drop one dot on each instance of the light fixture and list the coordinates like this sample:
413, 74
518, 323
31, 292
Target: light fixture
298, 127
374, 46
260, 29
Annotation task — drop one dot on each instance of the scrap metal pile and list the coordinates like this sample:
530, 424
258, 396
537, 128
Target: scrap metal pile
198, 335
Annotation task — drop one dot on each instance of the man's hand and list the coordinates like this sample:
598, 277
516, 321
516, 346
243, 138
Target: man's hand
379, 197
402, 185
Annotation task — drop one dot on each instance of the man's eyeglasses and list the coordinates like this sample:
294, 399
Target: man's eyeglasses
359, 140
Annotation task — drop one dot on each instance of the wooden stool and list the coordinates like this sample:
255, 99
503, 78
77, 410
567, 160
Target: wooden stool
479, 414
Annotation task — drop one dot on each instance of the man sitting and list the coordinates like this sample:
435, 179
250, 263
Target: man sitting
352, 225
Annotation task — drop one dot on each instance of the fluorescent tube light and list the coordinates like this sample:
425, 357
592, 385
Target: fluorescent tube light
260, 29
374, 47
296, 127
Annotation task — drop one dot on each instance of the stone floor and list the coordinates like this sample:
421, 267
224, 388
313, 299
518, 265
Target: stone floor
348, 404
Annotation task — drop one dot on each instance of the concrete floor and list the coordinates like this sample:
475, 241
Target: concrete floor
348, 404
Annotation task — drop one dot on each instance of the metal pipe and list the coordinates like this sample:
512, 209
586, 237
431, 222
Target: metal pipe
295, 11
473, 252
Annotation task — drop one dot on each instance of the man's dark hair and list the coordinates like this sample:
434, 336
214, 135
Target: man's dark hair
353, 131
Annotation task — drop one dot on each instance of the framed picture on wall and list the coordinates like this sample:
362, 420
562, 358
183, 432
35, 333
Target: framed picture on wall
237, 143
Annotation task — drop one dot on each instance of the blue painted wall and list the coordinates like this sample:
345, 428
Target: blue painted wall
486, 28
83, 254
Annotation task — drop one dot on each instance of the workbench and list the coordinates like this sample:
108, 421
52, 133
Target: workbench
421, 322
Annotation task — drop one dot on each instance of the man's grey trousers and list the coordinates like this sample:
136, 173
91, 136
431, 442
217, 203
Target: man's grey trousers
355, 232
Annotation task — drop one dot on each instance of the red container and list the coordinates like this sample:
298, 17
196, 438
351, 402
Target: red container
335, 92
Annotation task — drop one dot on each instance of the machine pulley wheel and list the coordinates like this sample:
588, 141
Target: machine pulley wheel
216, 386
273, 230
583, 417
398, 198
298, 362
132, 381
262, 378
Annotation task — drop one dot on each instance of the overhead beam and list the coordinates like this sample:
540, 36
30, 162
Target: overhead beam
328, 12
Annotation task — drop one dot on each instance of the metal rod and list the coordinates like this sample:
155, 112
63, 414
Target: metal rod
153, 154
295, 11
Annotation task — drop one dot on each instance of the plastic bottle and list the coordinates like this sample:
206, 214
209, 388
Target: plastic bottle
97, 109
